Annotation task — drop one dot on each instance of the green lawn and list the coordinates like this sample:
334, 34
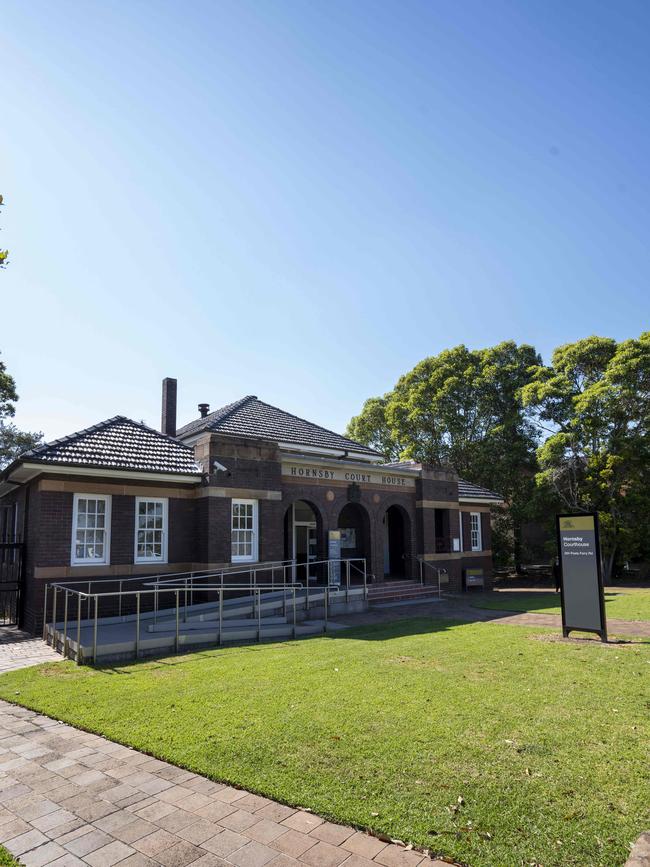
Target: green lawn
544, 742
7, 859
630, 603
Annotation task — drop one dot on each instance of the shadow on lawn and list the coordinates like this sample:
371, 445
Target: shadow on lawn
393, 625
523, 601
414, 625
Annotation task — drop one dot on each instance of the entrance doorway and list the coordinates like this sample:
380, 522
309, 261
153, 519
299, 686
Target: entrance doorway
394, 543
303, 540
354, 525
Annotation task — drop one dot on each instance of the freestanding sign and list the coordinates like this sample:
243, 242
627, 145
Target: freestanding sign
334, 553
583, 602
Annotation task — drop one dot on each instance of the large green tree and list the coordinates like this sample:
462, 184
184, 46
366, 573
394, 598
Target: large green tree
462, 408
593, 401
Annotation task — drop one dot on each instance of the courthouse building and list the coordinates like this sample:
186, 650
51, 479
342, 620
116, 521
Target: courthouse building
247, 483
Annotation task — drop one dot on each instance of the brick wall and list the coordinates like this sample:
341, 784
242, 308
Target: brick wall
49, 538
200, 525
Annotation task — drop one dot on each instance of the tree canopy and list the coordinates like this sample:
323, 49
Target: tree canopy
593, 401
572, 434
462, 408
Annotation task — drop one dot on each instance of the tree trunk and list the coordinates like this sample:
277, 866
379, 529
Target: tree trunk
609, 566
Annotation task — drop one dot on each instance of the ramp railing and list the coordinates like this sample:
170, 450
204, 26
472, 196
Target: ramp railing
66, 602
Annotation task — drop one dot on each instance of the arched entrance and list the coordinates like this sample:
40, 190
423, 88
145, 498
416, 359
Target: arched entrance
355, 533
301, 534
395, 542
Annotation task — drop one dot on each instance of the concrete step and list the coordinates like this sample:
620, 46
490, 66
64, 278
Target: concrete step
403, 594
393, 587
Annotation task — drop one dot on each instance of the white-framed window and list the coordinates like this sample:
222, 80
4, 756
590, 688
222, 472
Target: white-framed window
151, 522
244, 536
475, 531
91, 530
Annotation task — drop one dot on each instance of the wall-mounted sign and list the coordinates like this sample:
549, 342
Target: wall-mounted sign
583, 601
474, 578
348, 537
359, 476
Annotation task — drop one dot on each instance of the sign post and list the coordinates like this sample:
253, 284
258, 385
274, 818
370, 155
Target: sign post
583, 600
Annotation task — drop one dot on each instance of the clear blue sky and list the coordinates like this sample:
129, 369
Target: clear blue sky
301, 200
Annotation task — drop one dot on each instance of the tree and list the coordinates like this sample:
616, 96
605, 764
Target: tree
12, 441
462, 408
593, 401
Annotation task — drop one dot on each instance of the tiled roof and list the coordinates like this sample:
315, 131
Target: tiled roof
253, 419
120, 444
470, 491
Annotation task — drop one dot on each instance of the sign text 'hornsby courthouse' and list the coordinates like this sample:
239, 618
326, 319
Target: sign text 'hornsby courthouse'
310, 473
583, 606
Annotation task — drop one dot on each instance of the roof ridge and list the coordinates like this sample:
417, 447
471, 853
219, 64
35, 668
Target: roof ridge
313, 424
477, 485
237, 405
152, 430
101, 425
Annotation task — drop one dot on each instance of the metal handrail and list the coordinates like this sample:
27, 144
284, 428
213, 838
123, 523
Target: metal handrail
80, 594
148, 579
189, 584
437, 569
175, 588
254, 568
267, 564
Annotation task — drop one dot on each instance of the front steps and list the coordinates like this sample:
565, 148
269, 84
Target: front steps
391, 592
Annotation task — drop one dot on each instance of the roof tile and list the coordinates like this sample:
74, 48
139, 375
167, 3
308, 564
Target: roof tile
469, 490
118, 443
253, 419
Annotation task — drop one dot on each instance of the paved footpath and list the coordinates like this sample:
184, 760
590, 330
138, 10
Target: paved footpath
69, 798
19, 649
456, 608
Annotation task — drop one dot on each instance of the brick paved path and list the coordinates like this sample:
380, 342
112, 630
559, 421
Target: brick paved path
19, 649
68, 798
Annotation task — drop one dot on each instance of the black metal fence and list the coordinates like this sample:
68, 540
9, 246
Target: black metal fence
11, 570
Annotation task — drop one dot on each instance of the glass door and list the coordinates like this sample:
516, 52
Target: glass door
305, 541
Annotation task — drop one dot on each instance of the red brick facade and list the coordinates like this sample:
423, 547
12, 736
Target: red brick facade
424, 516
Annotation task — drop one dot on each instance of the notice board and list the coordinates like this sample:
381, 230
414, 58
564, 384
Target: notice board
583, 602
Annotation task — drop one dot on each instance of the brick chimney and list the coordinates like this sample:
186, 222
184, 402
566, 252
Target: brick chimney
168, 422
